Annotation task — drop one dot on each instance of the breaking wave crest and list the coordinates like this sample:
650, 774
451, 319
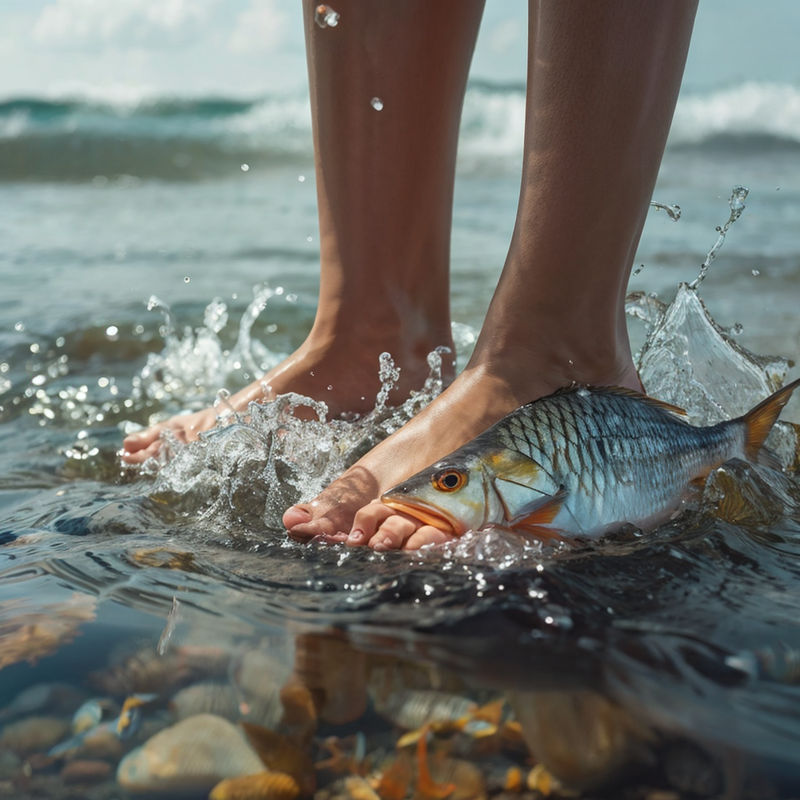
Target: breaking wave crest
77, 138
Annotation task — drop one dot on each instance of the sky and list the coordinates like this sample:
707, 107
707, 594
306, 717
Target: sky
255, 47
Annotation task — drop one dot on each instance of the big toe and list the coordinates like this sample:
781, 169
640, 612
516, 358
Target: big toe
139, 440
296, 515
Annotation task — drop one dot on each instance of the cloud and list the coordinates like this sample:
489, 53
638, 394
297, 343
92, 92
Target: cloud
94, 23
259, 28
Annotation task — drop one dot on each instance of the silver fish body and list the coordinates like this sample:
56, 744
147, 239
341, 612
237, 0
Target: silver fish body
579, 462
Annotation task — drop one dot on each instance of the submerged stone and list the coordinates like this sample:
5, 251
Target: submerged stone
190, 756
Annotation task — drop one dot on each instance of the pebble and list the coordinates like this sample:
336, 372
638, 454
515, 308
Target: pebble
191, 756
55, 697
33, 734
85, 771
208, 697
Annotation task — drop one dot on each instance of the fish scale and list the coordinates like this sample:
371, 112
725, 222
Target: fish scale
580, 462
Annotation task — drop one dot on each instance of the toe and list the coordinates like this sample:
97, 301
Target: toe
325, 528
393, 533
141, 439
141, 455
296, 515
367, 521
426, 535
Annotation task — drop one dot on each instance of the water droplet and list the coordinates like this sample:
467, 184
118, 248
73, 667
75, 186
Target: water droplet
325, 16
112, 331
34, 348
756, 273
60, 341
376, 103
309, 238
330, 387
301, 178
19, 326
245, 167
570, 362
638, 269
103, 382
186, 279
736, 328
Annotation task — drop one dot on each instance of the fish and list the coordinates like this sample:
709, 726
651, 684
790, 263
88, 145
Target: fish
580, 463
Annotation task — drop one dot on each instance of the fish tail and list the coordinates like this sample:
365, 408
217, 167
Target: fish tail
758, 421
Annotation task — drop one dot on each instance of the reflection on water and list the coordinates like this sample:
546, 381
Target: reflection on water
161, 635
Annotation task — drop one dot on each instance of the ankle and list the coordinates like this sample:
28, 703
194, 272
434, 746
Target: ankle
534, 370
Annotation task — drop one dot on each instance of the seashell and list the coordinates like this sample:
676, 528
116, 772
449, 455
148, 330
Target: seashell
33, 734
84, 771
262, 786
281, 754
207, 697
57, 698
191, 756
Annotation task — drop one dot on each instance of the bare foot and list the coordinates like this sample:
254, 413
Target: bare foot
343, 375
347, 510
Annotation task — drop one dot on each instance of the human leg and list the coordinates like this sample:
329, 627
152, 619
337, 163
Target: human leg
603, 79
385, 187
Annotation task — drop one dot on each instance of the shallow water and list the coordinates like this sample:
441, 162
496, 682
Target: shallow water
667, 660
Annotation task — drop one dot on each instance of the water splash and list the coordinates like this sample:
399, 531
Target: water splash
325, 16
673, 211
376, 103
241, 476
195, 364
737, 206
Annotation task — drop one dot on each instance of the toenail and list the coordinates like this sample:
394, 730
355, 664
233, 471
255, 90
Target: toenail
356, 537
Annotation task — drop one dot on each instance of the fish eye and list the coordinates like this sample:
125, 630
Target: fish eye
449, 480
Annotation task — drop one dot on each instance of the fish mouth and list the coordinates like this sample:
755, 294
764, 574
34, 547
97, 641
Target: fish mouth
429, 515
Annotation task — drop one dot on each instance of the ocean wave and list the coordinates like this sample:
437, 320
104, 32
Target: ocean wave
82, 136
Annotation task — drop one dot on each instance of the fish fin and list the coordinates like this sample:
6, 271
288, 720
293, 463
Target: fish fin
758, 421
769, 458
540, 533
541, 511
699, 482
623, 391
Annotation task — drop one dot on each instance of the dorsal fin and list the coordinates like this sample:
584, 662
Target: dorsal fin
758, 421
623, 391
